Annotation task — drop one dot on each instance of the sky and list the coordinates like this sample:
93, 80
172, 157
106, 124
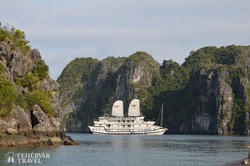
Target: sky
63, 30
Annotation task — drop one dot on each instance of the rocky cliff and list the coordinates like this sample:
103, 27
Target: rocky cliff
29, 99
208, 94
215, 100
107, 81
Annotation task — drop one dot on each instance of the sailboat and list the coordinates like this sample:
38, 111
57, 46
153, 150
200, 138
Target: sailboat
118, 124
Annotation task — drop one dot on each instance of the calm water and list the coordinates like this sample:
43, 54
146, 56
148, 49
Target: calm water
141, 150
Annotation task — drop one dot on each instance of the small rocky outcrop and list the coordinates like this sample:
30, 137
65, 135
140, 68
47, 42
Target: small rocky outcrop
246, 161
69, 141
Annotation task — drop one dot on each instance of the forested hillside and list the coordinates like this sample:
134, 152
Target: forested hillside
208, 93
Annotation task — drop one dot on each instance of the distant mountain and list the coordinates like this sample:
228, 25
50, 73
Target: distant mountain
208, 94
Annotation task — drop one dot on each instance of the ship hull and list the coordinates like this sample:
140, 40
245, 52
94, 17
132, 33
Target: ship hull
160, 131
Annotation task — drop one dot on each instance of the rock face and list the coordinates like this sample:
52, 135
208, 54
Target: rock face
137, 70
16, 64
29, 106
107, 81
208, 94
215, 100
73, 80
11, 131
42, 124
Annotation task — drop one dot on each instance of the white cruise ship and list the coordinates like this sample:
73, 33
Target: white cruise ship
118, 124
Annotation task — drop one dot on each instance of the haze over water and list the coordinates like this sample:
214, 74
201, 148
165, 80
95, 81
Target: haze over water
142, 150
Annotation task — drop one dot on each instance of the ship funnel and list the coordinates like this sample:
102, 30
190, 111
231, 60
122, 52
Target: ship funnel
134, 108
117, 109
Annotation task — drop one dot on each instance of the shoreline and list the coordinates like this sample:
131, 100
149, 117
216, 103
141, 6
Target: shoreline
245, 161
35, 140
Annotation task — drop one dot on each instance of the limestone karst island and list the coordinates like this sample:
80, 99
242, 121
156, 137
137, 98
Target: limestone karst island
208, 94
30, 113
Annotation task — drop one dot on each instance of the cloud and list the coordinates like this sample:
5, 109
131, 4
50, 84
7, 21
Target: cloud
167, 29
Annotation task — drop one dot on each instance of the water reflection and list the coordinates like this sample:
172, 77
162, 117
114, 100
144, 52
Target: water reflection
144, 150
185, 149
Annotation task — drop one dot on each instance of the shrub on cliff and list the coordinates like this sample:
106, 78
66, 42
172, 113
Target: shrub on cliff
16, 36
8, 93
41, 70
43, 99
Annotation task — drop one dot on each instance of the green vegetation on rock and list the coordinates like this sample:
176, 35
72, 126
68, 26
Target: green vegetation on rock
26, 89
16, 36
209, 93
72, 78
32, 79
8, 94
29, 99
43, 99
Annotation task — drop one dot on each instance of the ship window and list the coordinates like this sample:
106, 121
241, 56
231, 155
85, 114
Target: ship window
129, 125
123, 120
108, 125
118, 120
128, 121
132, 120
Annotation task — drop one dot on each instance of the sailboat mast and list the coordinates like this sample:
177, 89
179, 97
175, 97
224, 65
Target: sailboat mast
161, 114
